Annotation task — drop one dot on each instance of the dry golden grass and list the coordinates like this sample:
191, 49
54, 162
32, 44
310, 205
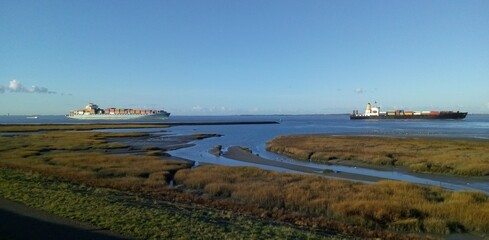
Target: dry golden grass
82, 156
339, 206
450, 156
385, 205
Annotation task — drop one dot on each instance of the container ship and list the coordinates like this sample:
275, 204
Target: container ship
93, 112
375, 113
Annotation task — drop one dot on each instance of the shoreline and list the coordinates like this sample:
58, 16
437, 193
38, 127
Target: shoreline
392, 173
172, 142
240, 154
448, 182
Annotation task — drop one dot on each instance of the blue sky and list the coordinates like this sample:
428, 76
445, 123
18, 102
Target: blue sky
244, 57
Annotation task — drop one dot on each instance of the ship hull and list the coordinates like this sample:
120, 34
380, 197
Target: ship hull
450, 115
118, 116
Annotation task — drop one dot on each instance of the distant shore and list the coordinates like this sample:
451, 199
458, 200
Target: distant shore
147, 123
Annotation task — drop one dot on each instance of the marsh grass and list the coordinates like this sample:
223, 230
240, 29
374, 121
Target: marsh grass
313, 202
445, 156
385, 205
81, 156
138, 216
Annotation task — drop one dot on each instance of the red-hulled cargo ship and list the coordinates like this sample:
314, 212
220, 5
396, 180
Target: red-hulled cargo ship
375, 113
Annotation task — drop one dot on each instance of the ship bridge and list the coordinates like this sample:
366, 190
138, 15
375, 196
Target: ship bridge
372, 111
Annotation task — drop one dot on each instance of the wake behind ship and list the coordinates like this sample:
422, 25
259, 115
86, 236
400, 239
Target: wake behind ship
93, 112
375, 113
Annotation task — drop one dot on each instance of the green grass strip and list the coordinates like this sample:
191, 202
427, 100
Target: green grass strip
139, 217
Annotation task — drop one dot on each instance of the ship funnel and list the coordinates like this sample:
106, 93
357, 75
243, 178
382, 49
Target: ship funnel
369, 107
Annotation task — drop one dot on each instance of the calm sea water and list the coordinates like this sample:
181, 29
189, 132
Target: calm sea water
256, 136
474, 126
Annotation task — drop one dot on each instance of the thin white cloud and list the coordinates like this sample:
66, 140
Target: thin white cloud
359, 90
200, 109
36, 89
197, 109
16, 86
